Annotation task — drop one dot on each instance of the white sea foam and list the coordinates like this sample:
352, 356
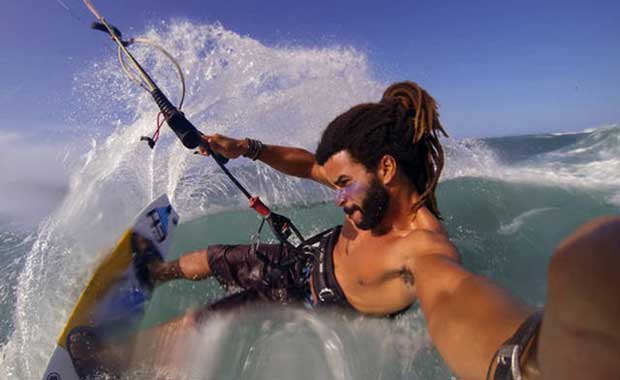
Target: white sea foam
295, 343
519, 220
469, 158
586, 130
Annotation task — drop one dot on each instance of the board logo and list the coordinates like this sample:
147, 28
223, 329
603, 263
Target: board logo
159, 222
53, 376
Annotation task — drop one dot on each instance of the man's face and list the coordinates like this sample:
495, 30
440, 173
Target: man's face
363, 198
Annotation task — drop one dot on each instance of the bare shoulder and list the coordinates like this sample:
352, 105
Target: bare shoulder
423, 242
425, 220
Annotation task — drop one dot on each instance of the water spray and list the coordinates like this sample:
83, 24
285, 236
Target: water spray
190, 136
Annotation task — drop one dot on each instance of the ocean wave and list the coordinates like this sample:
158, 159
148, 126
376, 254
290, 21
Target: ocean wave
592, 163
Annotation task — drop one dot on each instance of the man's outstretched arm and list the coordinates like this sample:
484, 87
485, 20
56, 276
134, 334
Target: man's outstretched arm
468, 316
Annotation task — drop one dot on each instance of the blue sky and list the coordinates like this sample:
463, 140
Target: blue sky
495, 67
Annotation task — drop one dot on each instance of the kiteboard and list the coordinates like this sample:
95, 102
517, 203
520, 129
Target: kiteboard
114, 299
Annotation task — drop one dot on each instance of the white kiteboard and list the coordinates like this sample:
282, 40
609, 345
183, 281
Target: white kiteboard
115, 297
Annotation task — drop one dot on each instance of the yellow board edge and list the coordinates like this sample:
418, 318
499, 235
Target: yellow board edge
105, 276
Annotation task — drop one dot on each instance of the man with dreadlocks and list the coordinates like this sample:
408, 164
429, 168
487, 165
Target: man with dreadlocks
384, 161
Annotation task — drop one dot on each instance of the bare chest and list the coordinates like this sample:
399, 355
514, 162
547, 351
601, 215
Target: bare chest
365, 263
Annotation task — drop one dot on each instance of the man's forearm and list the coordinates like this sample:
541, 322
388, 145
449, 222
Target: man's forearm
297, 162
292, 161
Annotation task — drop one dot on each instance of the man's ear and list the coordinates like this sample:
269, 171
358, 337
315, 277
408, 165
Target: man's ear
386, 170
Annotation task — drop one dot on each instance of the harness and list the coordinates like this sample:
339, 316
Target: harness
313, 258
323, 276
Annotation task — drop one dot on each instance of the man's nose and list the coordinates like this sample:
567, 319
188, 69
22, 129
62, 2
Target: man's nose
340, 197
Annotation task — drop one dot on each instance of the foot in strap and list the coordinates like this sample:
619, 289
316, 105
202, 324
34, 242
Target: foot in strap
85, 349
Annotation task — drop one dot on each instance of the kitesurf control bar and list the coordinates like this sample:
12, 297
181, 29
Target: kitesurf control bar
185, 131
183, 128
189, 135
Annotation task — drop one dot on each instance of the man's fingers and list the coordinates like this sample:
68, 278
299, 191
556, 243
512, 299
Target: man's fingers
223, 145
209, 141
203, 151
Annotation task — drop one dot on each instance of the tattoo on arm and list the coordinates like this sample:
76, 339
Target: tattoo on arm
407, 276
167, 271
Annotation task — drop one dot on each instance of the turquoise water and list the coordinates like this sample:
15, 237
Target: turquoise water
507, 203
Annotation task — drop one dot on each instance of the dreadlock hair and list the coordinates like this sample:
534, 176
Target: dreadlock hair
404, 124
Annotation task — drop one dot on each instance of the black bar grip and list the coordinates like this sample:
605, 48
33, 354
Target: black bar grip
163, 103
183, 128
185, 131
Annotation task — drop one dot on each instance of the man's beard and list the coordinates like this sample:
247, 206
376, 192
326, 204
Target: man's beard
374, 206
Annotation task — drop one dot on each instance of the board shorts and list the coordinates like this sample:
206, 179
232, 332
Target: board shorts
245, 268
